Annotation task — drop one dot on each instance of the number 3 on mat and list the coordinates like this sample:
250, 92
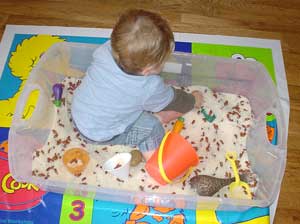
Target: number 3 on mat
76, 209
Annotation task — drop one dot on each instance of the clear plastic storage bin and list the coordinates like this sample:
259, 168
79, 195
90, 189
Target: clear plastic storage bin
247, 78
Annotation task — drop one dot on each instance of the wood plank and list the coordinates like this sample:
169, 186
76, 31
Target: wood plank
3, 22
294, 92
292, 68
287, 216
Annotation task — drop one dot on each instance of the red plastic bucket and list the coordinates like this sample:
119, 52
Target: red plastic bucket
177, 155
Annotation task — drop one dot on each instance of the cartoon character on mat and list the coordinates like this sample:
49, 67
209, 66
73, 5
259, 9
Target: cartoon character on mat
4, 146
15, 196
242, 57
21, 62
253, 215
143, 214
262, 55
140, 215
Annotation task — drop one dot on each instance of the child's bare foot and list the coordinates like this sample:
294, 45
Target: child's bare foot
198, 99
167, 116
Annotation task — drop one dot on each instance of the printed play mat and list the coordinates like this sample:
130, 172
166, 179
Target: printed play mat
20, 50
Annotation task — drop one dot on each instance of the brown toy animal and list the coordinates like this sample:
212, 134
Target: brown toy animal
208, 185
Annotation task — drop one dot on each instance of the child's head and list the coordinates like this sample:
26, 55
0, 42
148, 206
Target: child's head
141, 42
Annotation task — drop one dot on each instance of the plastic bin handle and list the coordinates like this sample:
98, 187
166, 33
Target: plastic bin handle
18, 118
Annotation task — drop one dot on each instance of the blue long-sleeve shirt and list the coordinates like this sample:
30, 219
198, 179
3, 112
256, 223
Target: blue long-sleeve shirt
109, 100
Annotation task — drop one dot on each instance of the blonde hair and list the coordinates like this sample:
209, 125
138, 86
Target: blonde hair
139, 39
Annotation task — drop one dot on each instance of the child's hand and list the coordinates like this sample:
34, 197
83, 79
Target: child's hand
167, 116
198, 99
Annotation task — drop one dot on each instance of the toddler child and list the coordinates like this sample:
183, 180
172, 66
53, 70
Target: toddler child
122, 86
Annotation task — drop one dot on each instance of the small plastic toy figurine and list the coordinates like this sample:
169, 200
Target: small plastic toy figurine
57, 92
163, 165
208, 117
179, 124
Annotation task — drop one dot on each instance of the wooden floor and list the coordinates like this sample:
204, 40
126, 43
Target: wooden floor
262, 19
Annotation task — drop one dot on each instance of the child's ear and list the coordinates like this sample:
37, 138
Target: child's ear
147, 70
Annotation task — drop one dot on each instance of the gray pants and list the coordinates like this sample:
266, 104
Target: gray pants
146, 133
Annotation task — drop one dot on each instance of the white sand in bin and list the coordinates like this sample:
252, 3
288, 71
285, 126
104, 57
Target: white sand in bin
228, 132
